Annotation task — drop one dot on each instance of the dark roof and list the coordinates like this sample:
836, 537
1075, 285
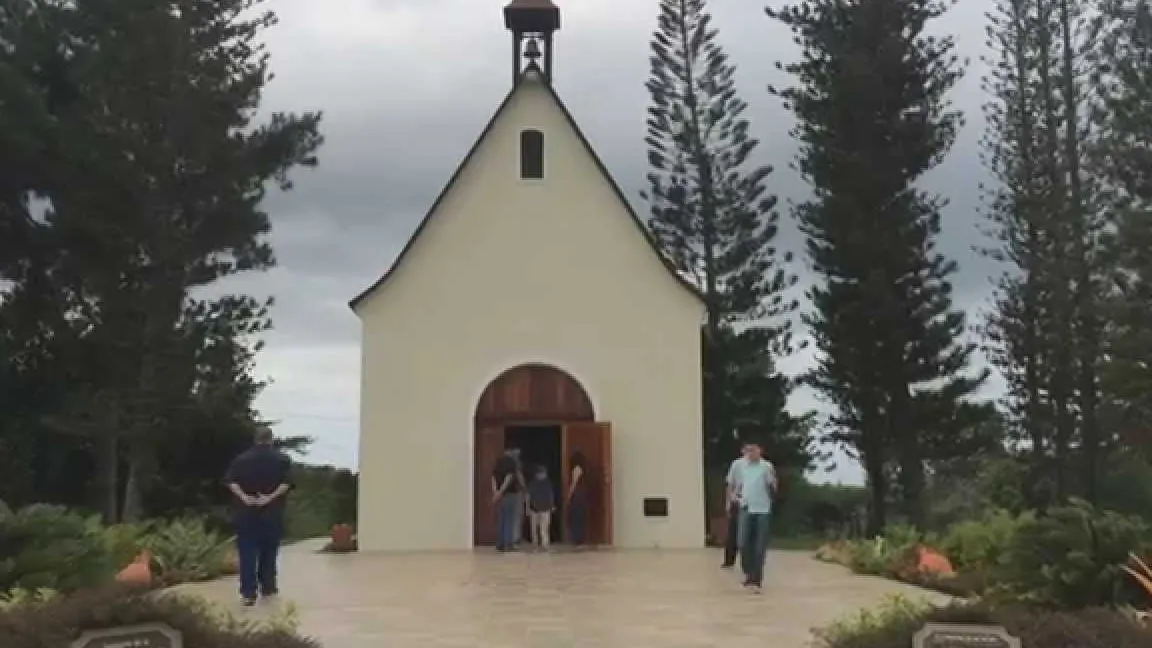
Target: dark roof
532, 68
531, 4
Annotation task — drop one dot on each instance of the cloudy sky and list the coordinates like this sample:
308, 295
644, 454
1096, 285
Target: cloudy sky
407, 85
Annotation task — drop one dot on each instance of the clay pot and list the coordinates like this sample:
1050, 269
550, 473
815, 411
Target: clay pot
930, 561
342, 536
139, 572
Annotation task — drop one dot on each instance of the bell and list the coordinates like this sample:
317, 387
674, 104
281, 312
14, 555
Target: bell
532, 50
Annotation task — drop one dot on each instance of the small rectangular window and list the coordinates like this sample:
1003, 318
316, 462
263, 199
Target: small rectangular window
532, 154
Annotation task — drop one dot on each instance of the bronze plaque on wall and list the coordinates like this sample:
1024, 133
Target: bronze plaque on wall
964, 635
148, 635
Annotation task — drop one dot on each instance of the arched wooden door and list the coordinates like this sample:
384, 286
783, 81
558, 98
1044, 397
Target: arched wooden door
528, 394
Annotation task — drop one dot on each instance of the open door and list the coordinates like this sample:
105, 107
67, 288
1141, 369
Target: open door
594, 441
489, 448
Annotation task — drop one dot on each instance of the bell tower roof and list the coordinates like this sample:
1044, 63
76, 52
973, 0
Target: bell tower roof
532, 16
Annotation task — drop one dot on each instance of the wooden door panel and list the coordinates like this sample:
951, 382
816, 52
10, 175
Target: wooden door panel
594, 441
489, 448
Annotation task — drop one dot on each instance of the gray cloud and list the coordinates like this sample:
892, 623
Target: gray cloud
407, 85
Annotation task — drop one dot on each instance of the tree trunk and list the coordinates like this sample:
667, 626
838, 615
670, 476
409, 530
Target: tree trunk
1057, 270
912, 485
108, 477
133, 510
878, 495
1081, 231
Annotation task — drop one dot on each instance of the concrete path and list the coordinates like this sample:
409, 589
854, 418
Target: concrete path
600, 599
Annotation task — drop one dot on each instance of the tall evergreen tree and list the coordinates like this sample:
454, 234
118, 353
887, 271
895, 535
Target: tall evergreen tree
1123, 160
713, 215
155, 173
1085, 224
1047, 329
1023, 326
870, 98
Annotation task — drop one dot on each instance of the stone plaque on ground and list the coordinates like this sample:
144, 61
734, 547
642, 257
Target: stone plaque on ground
148, 635
963, 635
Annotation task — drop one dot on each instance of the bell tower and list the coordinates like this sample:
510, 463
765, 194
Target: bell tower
532, 23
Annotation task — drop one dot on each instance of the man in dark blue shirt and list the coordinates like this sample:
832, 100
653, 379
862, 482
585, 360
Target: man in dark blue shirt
259, 482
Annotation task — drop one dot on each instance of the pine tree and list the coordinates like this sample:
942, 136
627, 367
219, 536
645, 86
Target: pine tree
1021, 327
1123, 159
715, 219
870, 98
1084, 226
1047, 327
154, 182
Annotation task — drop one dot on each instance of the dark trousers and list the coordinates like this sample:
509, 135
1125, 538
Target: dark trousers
508, 515
732, 539
754, 544
578, 521
258, 538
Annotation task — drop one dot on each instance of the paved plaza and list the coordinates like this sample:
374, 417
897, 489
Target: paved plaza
600, 599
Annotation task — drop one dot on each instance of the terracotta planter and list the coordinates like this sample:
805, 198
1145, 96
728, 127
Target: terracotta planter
139, 572
343, 536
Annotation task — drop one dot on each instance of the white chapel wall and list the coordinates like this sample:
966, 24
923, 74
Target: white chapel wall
511, 271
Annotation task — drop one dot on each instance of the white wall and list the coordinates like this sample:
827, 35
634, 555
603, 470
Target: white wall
510, 271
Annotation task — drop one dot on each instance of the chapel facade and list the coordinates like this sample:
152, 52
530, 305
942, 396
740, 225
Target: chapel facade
530, 309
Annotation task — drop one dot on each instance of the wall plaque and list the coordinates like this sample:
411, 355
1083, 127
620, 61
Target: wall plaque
655, 507
963, 635
148, 635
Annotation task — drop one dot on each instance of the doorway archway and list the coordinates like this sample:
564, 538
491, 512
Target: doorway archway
535, 400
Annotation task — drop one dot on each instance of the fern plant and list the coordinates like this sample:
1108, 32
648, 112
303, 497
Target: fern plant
18, 597
188, 551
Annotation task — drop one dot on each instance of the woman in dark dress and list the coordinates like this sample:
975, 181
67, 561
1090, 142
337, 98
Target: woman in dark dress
577, 499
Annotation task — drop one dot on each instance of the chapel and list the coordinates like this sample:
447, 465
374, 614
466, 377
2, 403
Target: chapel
530, 309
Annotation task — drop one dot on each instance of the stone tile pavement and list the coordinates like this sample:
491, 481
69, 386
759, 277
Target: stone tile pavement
595, 599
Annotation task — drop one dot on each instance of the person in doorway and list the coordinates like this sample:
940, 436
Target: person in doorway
541, 505
757, 489
506, 498
732, 502
576, 500
259, 480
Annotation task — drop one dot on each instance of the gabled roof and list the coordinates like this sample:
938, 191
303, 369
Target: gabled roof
532, 70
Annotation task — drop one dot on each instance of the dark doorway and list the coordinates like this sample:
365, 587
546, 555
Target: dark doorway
540, 445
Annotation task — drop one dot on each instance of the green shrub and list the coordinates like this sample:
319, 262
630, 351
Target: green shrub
309, 515
892, 554
982, 544
125, 541
1071, 556
204, 625
895, 623
52, 547
188, 551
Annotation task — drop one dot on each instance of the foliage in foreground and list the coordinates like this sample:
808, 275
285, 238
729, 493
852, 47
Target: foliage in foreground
203, 624
1068, 557
188, 551
46, 547
893, 624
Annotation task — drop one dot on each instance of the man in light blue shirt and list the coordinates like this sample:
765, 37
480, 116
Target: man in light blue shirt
757, 478
732, 506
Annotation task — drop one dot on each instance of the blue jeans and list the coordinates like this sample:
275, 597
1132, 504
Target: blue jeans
507, 518
753, 544
258, 538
